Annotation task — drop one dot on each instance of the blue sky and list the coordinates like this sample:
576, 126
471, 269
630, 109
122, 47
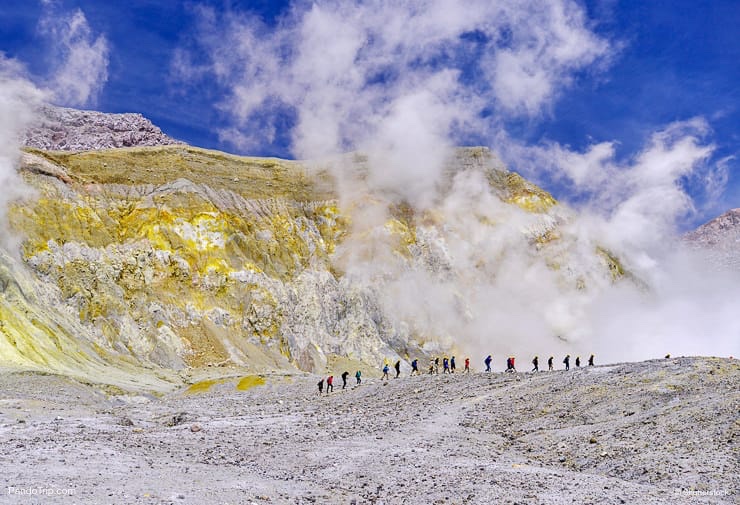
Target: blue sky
668, 62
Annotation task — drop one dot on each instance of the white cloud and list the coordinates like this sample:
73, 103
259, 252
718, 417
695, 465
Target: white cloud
80, 68
549, 41
389, 77
643, 198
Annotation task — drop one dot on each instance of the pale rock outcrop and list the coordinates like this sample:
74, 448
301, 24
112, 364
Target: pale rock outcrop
64, 129
719, 239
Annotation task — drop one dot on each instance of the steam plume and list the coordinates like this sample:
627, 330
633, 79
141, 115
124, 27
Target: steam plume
403, 83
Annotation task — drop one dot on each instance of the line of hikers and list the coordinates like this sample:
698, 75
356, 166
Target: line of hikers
510, 367
330, 381
448, 366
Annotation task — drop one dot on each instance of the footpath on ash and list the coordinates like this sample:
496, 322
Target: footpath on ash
661, 431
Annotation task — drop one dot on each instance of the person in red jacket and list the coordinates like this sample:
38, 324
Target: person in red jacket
330, 384
467, 365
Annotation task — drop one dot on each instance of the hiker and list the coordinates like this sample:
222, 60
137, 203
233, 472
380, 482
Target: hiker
549, 363
567, 362
345, 374
321, 386
510, 364
445, 365
578, 361
436, 365
397, 366
431, 367
358, 376
330, 384
452, 365
536, 363
591, 360
414, 367
487, 361
385, 372
467, 365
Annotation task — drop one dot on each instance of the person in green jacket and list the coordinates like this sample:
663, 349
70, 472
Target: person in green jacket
358, 376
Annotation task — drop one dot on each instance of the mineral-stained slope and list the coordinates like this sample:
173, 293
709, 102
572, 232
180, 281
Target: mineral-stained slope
173, 256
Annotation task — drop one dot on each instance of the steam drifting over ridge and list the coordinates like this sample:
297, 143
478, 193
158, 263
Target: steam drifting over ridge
449, 249
387, 77
80, 60
403, 84
76, 77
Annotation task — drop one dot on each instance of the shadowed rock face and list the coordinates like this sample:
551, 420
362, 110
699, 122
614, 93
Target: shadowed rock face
172, 257
719, 238
63, 129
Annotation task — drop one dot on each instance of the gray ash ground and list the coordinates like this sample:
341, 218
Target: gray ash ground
653, 432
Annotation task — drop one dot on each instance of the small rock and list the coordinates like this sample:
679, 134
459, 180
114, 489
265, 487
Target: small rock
592, 440
561, 459
195, 428
177, 419
125, 421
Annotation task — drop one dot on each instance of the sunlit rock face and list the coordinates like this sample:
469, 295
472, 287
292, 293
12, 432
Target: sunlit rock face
719, 239
169, 257
64, 129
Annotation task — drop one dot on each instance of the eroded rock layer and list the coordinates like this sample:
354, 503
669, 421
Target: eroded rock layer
173, 256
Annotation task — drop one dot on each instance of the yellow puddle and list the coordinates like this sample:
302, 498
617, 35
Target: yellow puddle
249, 381
202, 386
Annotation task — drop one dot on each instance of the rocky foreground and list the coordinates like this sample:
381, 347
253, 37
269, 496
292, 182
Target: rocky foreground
653, 432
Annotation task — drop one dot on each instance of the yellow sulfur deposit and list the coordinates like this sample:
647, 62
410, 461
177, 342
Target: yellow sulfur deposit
249, 381
203, 386
162, 258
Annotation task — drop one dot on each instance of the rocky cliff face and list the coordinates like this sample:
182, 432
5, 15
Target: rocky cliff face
719, 239
169, 257
63, 129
